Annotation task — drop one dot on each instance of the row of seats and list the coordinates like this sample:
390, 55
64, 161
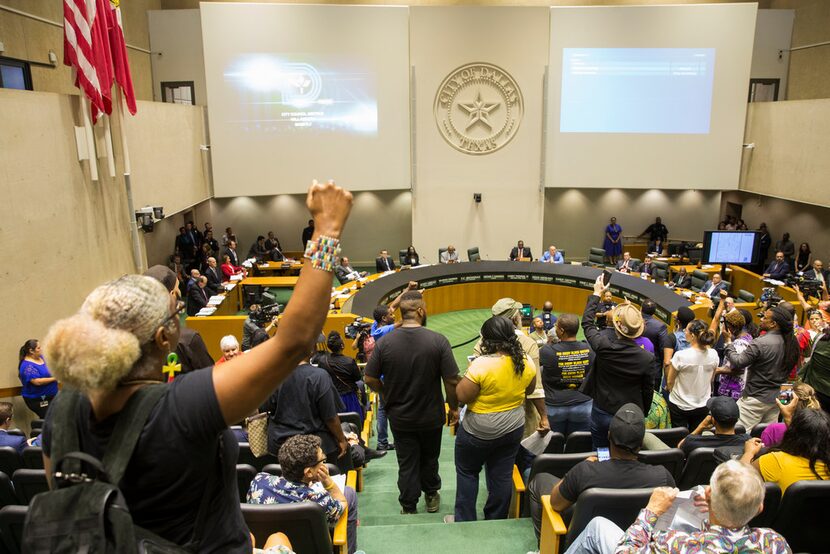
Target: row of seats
799, 515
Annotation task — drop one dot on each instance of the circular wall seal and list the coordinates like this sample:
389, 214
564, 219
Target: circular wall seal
478, 108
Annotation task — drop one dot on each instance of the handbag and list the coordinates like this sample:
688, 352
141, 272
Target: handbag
258, 434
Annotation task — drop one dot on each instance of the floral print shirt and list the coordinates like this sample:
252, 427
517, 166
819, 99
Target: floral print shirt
270, 489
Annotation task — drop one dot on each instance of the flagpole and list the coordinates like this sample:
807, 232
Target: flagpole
90, 138
122, 122
108, 146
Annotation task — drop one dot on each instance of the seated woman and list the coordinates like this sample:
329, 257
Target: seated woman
230, 349
344, 372
494, 390
305, 476
803, 396
229, 270
804, 452
114, 349
411, 257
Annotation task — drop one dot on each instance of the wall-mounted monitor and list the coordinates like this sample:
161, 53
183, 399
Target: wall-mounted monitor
731, 247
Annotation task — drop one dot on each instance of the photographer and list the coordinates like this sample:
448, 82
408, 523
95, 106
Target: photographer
259, 318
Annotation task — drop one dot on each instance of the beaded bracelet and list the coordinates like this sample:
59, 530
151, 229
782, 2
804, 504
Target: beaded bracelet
323, 253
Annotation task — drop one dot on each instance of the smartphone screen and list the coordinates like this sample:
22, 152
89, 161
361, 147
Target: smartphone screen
603, 454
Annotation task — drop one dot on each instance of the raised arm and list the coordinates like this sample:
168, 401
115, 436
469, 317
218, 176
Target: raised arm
244, 382
592, 334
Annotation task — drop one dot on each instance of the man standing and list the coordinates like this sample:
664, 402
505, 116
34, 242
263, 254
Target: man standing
384, 263
307, 232
552, 256
623, 372
604, 309
449, 256
547, 316
413, 361
656, 232
656, 331
231, 253
778, 269
786, 246
214, 276
519, 252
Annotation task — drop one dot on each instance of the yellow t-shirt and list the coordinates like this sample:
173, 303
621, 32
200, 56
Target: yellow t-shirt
501, 388
785, 469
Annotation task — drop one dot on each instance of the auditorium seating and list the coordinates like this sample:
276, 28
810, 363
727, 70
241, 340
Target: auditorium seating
745, 296
244, 475
304, 523
672, 459
772, 501
596, 257
441, 251
699, 279
698, 469
804, 511
247, 457
33, 457
9, 460
473, 254
671, 437
401, 256
8, 497
11, 527
29, 482
579, 441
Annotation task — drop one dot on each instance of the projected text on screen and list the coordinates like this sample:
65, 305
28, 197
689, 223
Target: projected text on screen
637, 90
279, 93
736, 248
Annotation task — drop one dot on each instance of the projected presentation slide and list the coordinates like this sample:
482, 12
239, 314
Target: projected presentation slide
292, 93
735, 248
637, 90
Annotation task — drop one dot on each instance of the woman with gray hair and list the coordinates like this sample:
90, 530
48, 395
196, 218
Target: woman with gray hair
734, 496
180, 482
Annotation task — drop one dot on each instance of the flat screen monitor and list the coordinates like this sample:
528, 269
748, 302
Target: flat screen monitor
731, 247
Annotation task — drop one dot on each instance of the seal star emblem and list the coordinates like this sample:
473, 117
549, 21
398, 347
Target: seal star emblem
478, 110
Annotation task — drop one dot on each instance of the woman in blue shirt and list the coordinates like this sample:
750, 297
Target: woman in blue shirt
613, 241
39, 387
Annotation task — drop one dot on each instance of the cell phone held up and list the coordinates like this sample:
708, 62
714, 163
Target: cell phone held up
785, 396
606, 278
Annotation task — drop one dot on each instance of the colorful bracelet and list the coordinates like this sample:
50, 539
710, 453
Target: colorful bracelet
323, 253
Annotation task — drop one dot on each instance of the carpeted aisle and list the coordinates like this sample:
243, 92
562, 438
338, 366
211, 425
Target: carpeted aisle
384, 530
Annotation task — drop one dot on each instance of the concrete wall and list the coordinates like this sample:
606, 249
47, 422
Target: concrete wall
773, 33
176, 38
809, 75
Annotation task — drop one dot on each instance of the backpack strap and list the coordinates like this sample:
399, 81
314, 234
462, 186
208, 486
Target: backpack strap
131, 422
64, 436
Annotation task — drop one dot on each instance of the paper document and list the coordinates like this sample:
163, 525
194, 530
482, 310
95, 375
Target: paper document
237, 277
339, 480
205, 311
683, 515
536, 443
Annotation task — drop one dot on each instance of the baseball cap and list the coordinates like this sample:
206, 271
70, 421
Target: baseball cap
628, 428
628, 321
724, 409
506, 307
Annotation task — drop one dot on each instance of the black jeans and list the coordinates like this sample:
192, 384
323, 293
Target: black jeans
34, 404
417, 452
541, 485
689, 419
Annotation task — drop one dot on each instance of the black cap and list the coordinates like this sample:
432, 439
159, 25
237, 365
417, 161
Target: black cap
724, 410
628, 428
684, 316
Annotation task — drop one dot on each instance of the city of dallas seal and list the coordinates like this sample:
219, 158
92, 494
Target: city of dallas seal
478, 108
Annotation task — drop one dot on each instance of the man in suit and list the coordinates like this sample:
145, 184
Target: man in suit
197, 296
627, 265
682, 280
193, 280
384, 262
520, 251
779, 268
214, 276
230, 251
449, 256
816, 273
648, 267
345, 272
15, 441
656, 331
272, 242
712, 288
308, 232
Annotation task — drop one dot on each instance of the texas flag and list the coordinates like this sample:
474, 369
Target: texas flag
118, 48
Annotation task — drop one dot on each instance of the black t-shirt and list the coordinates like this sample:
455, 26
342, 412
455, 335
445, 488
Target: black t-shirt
343, 371
412, 361
178, 454
301, 405
712, 441
564, 367
613, 474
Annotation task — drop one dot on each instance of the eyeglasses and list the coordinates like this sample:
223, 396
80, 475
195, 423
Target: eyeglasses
318, 462
179, 309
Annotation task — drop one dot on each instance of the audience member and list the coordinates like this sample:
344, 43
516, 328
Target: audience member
177, 267
384, 262
304, 466
721, 421
494, 389
816, 371
202, 257
406, 369
211, 242
192, 281
228, 237
803, 259
734, 496
18, 442
552, 256
764, 243
786, 246
520, 252
535, 412
39, 386
343, 371
186, 245
621, 471
622, 370
713, 286
815, 325
449, 256
689, 377
613, 241
778, 269
682, 280
346, 273
803, 397
537, 331
656, 331
230, 349
803, 455
411, 258
731, 380
627, 265
197, 297
684, 316
769, 359
191, 349
307, 233
604, 309
214, 276
547, 316
564, 366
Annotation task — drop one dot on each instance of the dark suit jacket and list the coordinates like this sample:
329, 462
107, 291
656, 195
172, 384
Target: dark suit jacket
15, 441
380, 265
308, 232
193, 354
342, 273
515, 254
632, 265
233, 255
684, 282
197, 298
214, 277
647, 269
778, 270
715, 293
811, 274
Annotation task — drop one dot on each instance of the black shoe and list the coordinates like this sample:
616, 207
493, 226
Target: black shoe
433, 502
389, 446
372, 454
405, 512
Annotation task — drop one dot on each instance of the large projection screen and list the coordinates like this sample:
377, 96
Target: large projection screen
302, 92
648, 96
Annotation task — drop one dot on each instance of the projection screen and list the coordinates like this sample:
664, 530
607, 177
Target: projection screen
648, 96
298, 92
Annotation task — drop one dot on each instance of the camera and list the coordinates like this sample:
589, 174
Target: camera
769, 298
353, 329
809, 287
264, 314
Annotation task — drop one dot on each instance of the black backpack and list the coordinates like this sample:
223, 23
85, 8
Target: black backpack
87, 512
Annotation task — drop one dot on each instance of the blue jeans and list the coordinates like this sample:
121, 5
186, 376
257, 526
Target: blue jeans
600, 422
567, 419
600, 536
496, 456
351, 523
383, 426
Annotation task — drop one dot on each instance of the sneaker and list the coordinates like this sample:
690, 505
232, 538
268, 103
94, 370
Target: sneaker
383, 447
405, 512
433, 502
372, 454
449, 518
